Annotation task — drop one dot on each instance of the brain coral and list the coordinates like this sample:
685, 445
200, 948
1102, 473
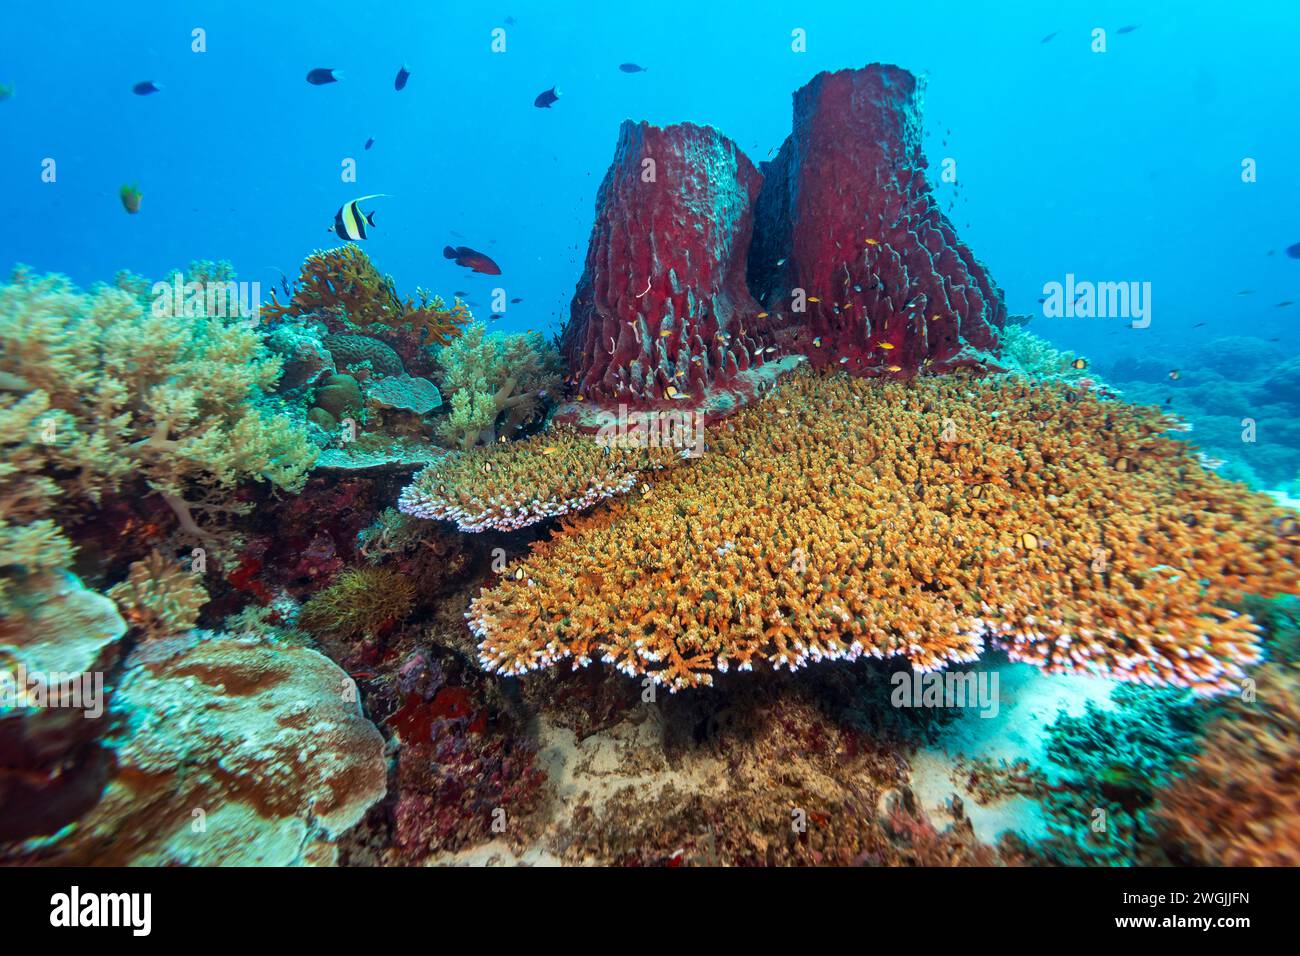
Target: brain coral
351, 350
926, 520
507, 487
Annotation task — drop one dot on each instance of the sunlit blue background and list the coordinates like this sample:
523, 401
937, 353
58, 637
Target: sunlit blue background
1117, 166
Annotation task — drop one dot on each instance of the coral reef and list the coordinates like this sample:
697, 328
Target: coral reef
661, 313
497, 384
232, 753
1113, 760
160, 597
52, 764
841, 519
846, 226
100, 394
1238, 393
520, 484
1237, 802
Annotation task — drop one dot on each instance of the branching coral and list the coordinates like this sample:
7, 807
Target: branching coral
96, 391
159, 597
343, 285
848, 518
361, 602
497, 383
507, 487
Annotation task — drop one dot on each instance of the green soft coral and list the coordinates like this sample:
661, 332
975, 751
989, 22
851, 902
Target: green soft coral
97, 390
496, 382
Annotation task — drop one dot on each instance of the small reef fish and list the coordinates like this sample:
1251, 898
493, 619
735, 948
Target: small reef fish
887, 346
131, 198
1283, 304
631, 68
404, 74
320, 76
1175, 374
544, 100
472, 260
515, 301
1048, 38
1029, 541
1291, 251
813, 298
1128, 29
370, 142
1079, 363
146, 88
1208, 462
350, 222
1286, 527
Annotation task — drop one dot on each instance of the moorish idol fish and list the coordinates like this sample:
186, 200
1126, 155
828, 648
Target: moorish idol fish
351, 223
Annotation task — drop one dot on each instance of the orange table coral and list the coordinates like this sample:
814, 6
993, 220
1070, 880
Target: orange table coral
343, 283
514, 485
927, 520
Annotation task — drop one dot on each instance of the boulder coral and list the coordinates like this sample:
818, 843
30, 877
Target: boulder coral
930, 520
232, 753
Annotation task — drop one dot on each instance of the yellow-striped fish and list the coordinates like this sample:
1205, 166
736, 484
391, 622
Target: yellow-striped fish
351, 223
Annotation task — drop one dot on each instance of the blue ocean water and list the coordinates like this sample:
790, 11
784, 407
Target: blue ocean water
1122, 166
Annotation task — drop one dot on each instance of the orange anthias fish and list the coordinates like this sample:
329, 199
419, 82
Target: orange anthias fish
471, 259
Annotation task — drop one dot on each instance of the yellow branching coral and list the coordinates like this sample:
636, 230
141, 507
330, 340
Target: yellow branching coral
843, 518
511, 486
497, 383
160, 597
95, 390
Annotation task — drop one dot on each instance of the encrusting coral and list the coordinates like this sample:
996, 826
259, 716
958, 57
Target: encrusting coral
97, 391
511, 486
497, 383
159, 597
842, 518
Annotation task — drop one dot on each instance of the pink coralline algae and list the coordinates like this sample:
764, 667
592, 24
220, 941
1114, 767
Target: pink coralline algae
849, 240
661, 314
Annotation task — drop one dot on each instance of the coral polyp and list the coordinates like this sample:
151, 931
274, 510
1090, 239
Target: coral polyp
928, 521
